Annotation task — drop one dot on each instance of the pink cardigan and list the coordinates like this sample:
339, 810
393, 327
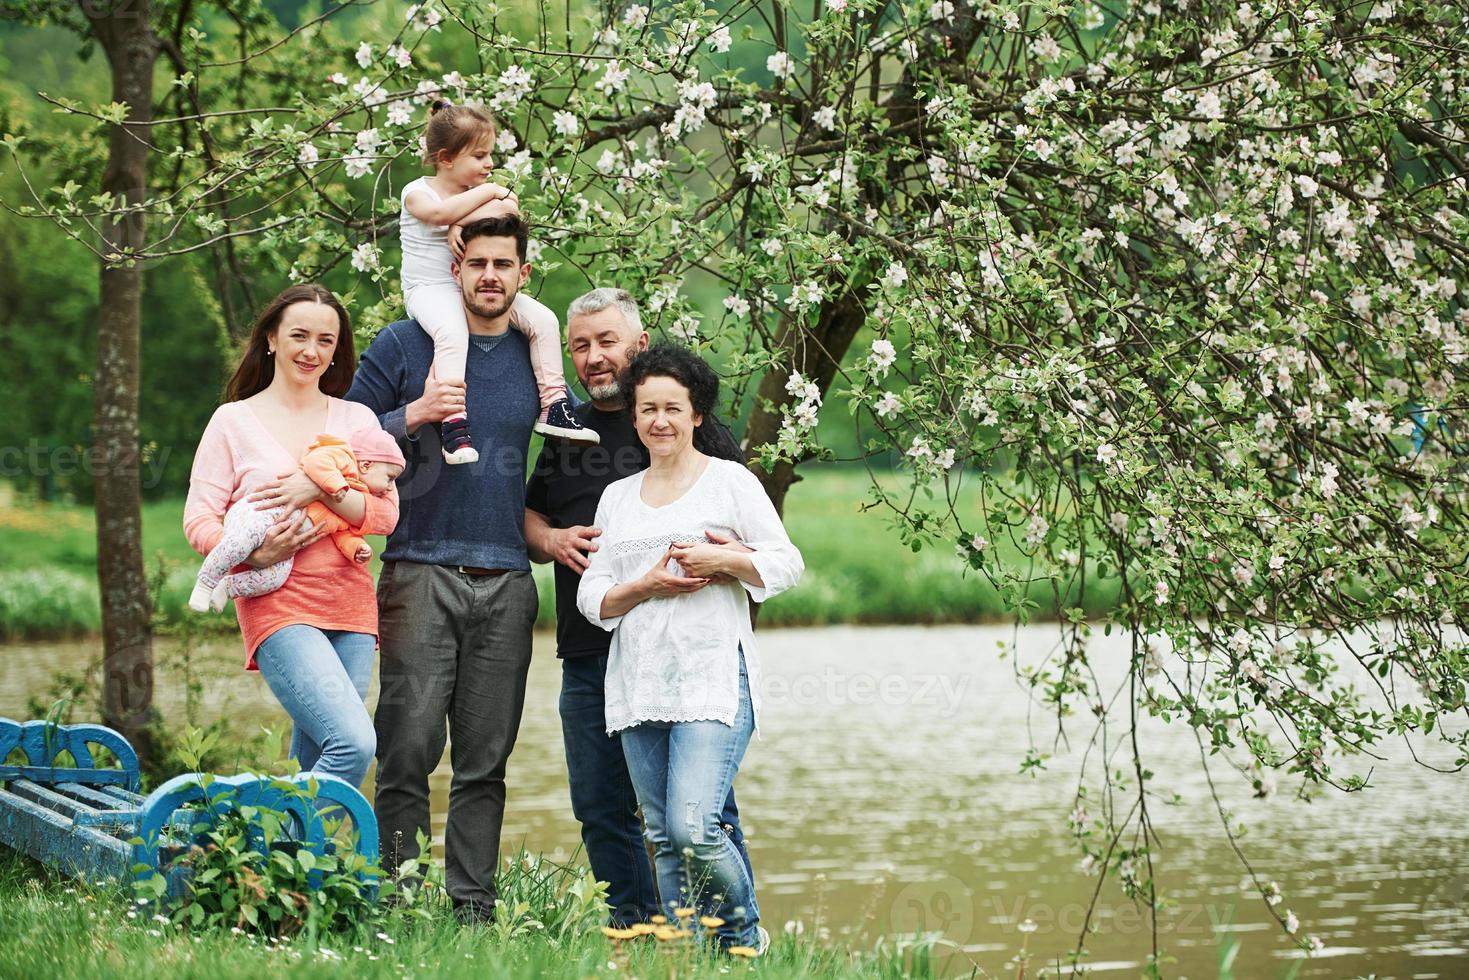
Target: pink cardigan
236, 455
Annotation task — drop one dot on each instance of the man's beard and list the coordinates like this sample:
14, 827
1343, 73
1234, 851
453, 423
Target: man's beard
475, 305
609, 392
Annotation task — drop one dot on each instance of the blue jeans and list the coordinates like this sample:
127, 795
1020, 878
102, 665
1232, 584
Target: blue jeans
683, 772
320, 677
603, 799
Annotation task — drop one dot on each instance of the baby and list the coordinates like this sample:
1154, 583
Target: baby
369, 461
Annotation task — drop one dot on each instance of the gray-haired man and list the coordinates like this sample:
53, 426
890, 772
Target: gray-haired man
604, 331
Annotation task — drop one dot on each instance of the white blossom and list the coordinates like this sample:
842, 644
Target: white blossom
565, 123
720, 40
364, 54
887, 405
737, 305
883, 354
614, 78
515, 84
366, 257
781, 65
400, 114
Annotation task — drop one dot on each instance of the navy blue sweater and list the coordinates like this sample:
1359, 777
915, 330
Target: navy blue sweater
456, 515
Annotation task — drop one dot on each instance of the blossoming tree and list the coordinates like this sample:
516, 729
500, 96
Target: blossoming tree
1173, 287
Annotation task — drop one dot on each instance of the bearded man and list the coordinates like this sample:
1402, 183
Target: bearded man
456, 602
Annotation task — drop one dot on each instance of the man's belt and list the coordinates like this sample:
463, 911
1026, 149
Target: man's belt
481, 572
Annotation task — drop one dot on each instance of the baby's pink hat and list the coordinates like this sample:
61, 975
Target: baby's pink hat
373, 444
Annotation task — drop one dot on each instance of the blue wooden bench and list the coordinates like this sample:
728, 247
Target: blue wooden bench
90, 822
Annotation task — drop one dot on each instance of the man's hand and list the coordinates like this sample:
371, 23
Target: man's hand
571, 546
659, 581
440, 400
283, 540
293, 491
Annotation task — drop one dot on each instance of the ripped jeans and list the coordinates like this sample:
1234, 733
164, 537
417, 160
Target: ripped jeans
683, 772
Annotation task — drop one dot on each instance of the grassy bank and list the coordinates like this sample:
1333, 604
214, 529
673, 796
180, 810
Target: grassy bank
59, 928
857, 569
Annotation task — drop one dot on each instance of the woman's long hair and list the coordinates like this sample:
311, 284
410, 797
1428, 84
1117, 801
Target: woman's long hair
257, 365
669, 360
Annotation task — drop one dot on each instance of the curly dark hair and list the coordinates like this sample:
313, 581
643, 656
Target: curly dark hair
669, 360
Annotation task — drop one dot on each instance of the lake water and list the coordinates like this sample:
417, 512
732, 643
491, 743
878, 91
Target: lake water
884, 797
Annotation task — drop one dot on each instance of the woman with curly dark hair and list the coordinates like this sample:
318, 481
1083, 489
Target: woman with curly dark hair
683, 676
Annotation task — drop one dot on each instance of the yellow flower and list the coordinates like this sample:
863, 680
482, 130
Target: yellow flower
683, 913
711, 921
666, 933
619, 934
746, 951
642, 928
659, 920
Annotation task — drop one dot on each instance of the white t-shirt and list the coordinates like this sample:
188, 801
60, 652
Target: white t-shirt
676, 658
426, 255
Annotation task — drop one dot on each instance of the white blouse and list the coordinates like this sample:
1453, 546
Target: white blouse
426, 255
676, 658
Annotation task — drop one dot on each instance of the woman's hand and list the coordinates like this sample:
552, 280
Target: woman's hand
713, 560
659, 581
700, 559
283, 540
293, 491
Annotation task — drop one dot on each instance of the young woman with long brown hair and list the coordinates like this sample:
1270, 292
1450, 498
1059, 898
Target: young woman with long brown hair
314, 638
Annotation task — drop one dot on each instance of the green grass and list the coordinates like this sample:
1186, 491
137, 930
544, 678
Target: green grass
60, 928
857, 568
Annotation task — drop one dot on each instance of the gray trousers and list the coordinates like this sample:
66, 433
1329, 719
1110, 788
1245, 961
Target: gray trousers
455, 648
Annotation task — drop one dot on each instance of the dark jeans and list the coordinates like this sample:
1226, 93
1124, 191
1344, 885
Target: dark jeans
455, 647
602, 796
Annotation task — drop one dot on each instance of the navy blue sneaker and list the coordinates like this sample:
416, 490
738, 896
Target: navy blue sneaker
455, 441
558, 420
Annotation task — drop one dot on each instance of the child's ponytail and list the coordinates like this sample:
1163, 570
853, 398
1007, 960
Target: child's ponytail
454, 128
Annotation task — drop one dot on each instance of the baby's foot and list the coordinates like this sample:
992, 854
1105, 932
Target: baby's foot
199, 598
220, 597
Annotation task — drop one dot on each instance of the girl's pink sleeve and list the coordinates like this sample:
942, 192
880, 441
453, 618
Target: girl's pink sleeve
211, 483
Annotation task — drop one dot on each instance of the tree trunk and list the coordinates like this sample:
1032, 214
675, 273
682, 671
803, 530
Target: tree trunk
815, 354
126, 36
